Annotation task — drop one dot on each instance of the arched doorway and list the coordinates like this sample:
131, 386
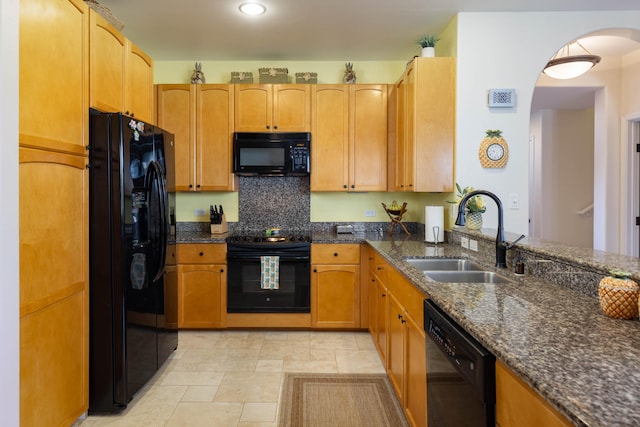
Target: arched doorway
578, 149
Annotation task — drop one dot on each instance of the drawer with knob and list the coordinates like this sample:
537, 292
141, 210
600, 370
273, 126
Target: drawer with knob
202, 253
338, 253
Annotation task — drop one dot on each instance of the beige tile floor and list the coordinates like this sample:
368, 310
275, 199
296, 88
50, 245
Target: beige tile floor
233, 378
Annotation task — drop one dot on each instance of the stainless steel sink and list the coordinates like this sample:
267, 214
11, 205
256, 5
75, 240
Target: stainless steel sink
467, 277
443, 264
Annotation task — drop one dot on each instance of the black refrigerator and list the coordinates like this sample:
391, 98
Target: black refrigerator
131, 218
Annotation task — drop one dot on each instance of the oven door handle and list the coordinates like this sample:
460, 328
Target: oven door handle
254, 257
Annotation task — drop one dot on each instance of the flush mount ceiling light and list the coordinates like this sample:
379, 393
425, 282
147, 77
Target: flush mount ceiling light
252, 8
565, 65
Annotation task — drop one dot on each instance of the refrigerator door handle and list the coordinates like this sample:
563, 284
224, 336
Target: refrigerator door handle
155, 184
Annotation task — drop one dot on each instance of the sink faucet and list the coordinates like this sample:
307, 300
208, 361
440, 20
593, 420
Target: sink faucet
501, 244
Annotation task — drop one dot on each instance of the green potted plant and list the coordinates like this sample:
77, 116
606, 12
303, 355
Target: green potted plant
428, 43
474, 207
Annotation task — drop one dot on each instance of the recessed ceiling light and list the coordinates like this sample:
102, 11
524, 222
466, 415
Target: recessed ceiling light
252, 8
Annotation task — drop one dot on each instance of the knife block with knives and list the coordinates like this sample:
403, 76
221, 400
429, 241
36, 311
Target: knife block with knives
218, 220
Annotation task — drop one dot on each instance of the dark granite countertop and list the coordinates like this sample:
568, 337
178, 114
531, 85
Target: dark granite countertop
581, 361
558, 340
200, 237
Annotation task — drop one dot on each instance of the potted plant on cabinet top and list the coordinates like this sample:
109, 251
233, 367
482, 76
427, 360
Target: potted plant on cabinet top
428, 43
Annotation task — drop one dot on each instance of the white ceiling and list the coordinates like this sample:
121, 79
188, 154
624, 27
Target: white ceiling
307, 30
344, 30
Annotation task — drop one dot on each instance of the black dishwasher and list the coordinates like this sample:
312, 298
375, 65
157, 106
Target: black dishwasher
461, 390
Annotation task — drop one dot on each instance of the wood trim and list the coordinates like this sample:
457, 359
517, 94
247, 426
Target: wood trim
270, 320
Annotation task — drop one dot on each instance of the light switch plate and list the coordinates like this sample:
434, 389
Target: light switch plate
473, 245
514, 201
464, 242
199, 212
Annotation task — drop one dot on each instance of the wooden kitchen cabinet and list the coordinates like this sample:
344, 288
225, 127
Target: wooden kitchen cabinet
139, 96
107, 53
272, 108
378, 306
120, 75
395, 353
517, 404
202, 286
54, 286
54, 112
349, 128
421, 139
399, 335
335, 286
201, 119
53, 234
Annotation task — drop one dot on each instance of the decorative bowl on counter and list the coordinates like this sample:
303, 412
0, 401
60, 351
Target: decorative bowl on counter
619, 295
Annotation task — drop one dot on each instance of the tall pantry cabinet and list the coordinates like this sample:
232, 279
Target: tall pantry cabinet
53, 211
422, 127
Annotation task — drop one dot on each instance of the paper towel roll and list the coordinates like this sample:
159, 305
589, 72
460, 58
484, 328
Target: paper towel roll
433, 217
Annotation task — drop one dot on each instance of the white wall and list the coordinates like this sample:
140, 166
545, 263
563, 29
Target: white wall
566, 184
511, 53
9, 284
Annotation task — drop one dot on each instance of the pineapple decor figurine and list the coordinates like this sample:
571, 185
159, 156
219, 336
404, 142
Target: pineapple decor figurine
619, 295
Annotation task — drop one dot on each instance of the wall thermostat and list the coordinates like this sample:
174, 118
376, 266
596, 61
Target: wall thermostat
502, 98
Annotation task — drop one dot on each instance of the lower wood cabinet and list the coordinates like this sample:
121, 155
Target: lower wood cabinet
335, 286
519, 405
202, 286
396, 323
54, 287
378, 306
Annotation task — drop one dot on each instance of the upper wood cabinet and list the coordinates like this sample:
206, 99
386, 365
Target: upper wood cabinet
349, 138
138, 95
108, 52
422, 139
54, 112
121, 75
201, 119
272, 108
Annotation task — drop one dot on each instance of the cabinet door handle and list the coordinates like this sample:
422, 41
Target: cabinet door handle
268, 127
403, 321
384, 295
335, 254
198, 185
344, 186
315, 270
353, 186
399, 316
275, 127
222, 270
201, 253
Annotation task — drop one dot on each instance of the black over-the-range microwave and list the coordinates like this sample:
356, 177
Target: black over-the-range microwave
275, 154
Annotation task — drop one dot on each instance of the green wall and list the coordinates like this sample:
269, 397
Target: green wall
329, 72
